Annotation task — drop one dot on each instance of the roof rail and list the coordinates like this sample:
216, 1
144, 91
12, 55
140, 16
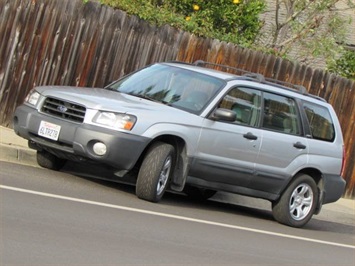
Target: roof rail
245, 73
299, 88
260, 78
257, 76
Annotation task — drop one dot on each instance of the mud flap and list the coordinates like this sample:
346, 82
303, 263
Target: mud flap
319, 202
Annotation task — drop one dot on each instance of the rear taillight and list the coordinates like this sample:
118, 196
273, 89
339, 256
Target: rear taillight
343, 162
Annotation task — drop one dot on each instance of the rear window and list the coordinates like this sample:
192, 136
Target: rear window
320, 122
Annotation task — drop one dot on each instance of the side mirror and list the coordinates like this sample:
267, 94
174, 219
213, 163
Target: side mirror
224, 115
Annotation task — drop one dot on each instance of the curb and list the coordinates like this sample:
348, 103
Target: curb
16, 154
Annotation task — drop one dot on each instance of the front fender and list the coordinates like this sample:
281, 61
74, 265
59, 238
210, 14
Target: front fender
189, 134
185, 139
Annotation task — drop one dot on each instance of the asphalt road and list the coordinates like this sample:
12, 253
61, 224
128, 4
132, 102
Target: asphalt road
61, 218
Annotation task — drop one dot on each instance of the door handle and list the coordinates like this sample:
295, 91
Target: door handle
250, 136
299, 145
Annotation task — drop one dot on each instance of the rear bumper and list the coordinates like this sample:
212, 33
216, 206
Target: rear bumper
76, 141
334, 186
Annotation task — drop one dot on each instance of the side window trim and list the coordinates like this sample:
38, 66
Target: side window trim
304, 125
303, 129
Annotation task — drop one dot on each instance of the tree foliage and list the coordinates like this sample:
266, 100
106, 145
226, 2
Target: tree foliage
234, 21
307, 30
344, 65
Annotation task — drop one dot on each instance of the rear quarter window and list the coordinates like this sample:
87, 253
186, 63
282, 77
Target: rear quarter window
320, 121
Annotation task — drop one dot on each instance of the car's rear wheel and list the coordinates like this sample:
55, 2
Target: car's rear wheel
155, 172
49, 161
297, 204
196, 193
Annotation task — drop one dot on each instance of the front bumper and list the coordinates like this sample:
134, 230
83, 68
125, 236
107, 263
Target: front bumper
76, 141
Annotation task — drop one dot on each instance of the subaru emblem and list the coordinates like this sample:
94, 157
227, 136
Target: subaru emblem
62, 108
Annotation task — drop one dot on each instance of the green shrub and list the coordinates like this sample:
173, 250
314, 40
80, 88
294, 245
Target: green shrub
344, 65
234, 21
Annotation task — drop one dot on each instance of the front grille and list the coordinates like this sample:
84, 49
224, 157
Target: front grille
65, 110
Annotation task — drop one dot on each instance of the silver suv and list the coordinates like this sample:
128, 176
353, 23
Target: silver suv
194, 129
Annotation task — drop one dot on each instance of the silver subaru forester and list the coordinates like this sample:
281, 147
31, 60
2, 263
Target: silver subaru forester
190, 128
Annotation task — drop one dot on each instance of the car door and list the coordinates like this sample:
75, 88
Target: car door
284, 149
227, 151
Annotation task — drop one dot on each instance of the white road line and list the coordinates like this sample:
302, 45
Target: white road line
178, 217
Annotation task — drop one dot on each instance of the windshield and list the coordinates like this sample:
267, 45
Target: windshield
180, 88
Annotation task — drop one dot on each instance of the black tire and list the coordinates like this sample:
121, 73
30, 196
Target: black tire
297, 204
196, 193
49, 161
155, 172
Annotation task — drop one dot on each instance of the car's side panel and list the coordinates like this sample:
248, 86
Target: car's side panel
224, 154
278, 160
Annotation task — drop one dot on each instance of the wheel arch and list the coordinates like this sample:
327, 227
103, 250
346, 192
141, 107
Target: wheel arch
181, 159
312, 172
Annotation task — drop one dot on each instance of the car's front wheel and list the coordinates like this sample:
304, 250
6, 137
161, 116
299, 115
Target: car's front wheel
155, 172
297, 204
49, 161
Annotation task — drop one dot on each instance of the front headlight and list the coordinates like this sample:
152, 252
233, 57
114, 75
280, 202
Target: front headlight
32, 98
115, 120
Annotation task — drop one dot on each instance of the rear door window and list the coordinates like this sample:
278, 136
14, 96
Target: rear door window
280, 114
320, 122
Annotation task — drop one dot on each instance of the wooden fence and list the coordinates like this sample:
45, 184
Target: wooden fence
66, 42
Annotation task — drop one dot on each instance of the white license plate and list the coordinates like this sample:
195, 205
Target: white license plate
49, 130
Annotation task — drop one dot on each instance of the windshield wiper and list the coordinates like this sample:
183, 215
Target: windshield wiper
110, 89
146, 97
